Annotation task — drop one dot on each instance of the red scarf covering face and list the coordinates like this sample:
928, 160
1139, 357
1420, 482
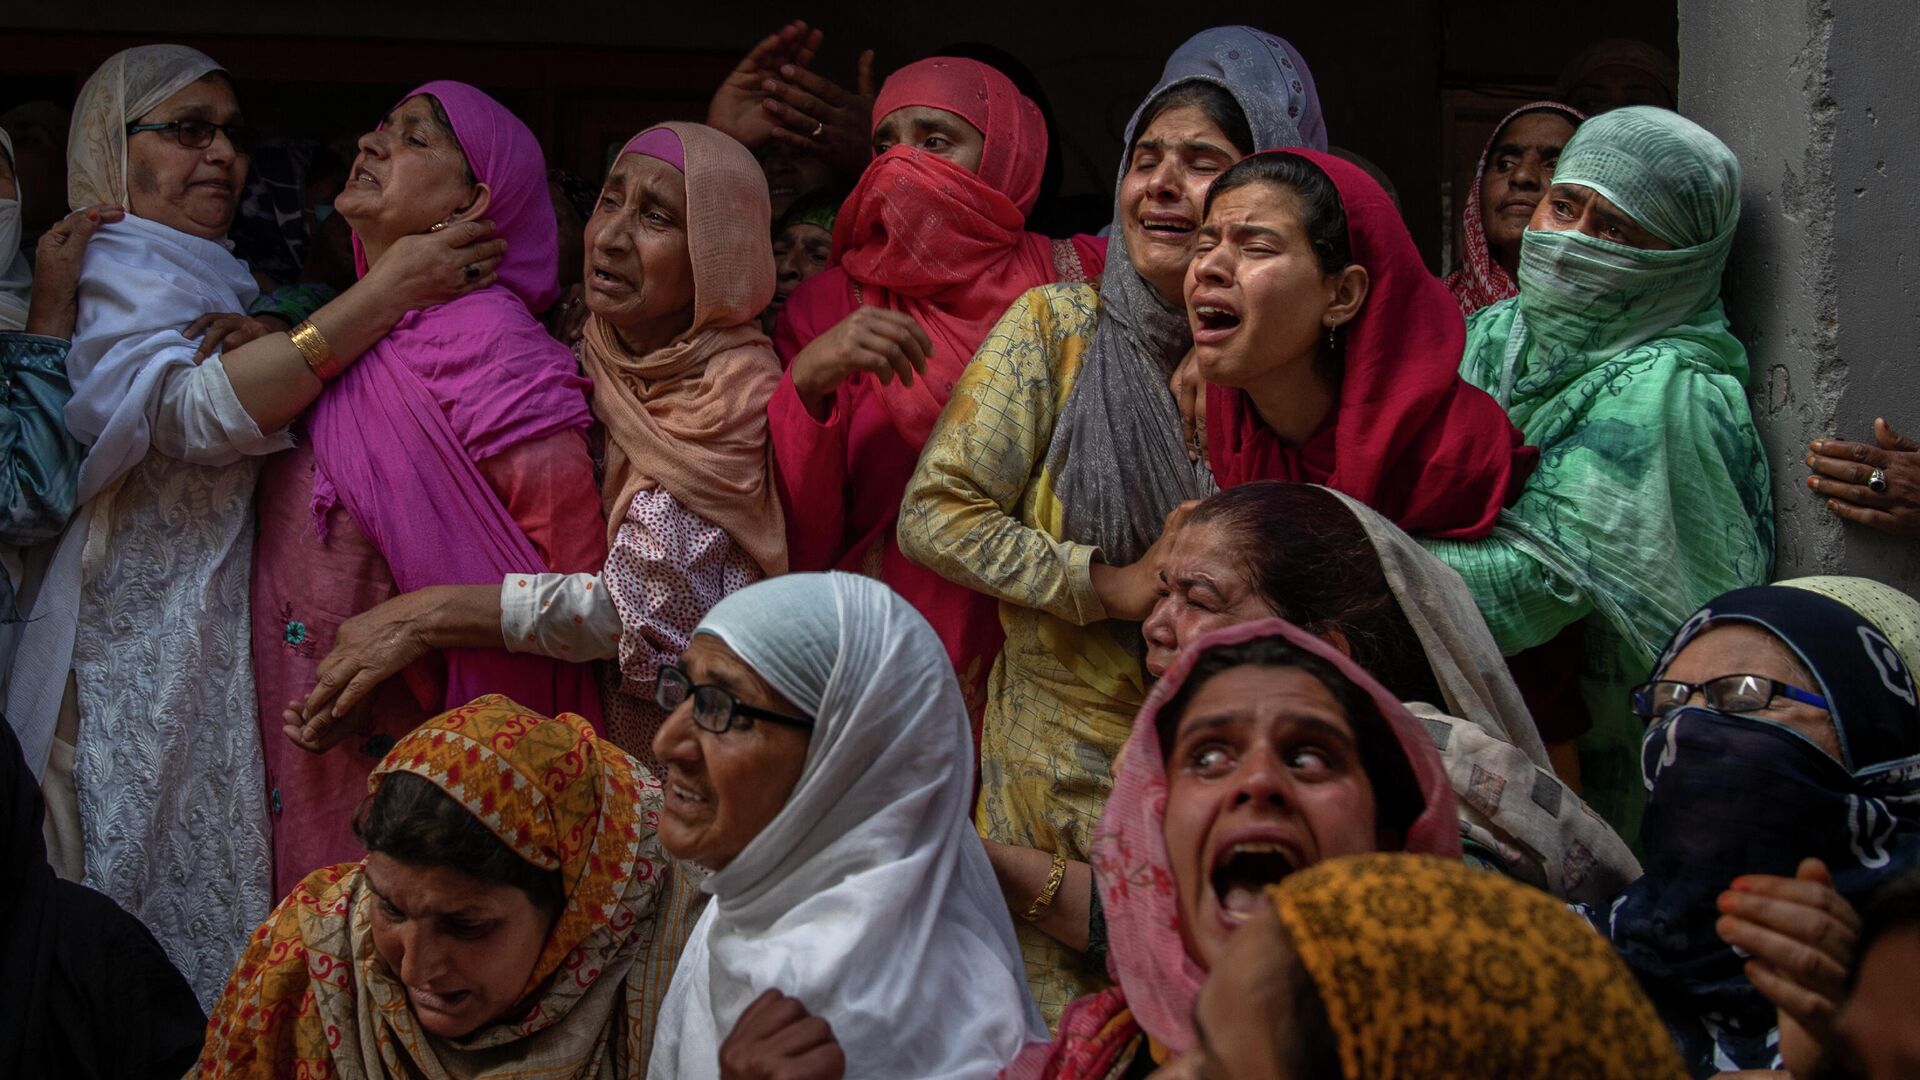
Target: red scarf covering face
1408, 437
921, 235
1481, 281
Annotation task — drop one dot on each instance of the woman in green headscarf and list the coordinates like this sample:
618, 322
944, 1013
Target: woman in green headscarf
1652, 495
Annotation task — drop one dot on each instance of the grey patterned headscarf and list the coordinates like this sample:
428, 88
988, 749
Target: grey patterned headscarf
1120, 422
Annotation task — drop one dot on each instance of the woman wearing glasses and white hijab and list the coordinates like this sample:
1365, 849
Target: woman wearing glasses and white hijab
819, 761
132, 674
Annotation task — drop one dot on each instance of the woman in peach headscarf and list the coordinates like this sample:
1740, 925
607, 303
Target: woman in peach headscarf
929, 251
677, 270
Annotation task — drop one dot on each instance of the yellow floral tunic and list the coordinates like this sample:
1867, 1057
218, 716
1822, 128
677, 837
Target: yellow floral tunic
980, 510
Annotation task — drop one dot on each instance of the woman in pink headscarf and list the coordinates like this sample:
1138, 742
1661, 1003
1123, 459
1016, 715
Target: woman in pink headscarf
1263, 751
455, 452
929, 251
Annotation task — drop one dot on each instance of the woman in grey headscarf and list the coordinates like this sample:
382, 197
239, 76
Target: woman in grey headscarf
1059, 458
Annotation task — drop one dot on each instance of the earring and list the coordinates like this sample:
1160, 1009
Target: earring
1332, 345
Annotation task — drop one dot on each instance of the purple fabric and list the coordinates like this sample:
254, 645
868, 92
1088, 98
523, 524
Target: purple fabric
396, 440
659, 142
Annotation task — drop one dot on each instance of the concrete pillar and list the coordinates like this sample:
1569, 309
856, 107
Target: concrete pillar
1815, 96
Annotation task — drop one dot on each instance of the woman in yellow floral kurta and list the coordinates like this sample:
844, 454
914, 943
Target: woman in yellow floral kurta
1059, 456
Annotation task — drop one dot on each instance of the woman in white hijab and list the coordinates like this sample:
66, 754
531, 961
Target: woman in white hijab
145, 600
832, 806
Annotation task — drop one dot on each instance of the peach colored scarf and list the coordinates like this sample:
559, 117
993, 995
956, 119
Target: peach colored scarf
692, 417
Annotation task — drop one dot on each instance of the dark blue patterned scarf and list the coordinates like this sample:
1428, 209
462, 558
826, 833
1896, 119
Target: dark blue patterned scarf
1738, 794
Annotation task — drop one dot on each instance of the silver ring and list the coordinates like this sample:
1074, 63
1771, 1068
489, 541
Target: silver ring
1877, 481
472, 272
818, 127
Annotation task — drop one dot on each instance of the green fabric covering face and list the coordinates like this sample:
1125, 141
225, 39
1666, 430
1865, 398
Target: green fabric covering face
1652, 495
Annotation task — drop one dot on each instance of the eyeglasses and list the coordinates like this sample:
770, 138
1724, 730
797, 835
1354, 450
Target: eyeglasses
198, 134
1728, 693
714, 708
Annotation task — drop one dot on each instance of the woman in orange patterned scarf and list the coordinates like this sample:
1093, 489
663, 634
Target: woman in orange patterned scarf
515, 915
1387, 966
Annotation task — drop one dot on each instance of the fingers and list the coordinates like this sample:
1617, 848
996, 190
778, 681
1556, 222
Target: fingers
923, 345
1814, 1011
467, 234
865, 84
215, 334
808, 90
1848, 468
1863, 515
1177, 517
808, 46
759, 57
1854, 493
1889, 439
1849, 451
898, 344
200, 325
794, 120
1810, 960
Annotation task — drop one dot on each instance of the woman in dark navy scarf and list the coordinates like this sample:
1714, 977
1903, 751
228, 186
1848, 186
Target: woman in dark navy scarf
1782, 726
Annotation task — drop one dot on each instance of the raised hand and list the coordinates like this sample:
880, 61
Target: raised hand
738, 107
1800, 936
817, 115
424, 269
1129, 592
888, 344
56, 272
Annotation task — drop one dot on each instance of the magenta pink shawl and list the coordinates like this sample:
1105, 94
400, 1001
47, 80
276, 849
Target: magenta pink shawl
1131, 867
397, 438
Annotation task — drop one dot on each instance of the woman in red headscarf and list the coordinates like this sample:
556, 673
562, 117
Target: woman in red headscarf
1333, 355
929, 251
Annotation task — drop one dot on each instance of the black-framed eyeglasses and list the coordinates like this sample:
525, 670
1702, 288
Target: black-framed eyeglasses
198, 134
1727, 693
714, 707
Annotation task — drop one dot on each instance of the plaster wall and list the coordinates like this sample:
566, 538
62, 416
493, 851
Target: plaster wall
1815, 98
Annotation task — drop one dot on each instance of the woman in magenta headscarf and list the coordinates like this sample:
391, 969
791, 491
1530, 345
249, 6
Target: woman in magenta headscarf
455, 452
928, 251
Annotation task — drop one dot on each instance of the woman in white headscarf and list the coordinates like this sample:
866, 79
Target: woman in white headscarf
136, 651
863, 894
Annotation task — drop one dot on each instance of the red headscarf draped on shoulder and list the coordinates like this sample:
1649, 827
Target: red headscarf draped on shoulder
1409, 438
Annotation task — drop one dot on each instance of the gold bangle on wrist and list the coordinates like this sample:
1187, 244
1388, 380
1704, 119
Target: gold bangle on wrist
1054, 877
319, 355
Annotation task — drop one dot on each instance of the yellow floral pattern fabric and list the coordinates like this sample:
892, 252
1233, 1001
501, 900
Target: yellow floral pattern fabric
1431, 969
312, 998
980, 510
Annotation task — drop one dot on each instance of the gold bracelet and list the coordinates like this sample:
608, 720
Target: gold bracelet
319, 355
1054, 878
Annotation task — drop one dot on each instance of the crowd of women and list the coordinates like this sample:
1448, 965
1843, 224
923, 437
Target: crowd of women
718, 623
